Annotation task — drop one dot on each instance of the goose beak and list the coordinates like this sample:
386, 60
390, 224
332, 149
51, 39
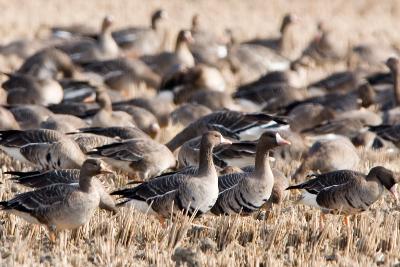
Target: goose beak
395, 194
281, 141
225, 141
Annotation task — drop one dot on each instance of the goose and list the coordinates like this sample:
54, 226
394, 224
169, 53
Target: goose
30, 116
60, 206
196, 192
345, 191
47, 64
143, 41
187, 113
63, 123
26, 89
140, 158
106, 117
47, 149
143, 119
165, 62
162, 112
122, 73
250, 61
207, 48
121, 133
328, 155
309, 115
284, 43
85, 50
38, 179
233, 124
238, 154
246, 192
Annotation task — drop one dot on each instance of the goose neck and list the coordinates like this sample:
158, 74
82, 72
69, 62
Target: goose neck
206, 164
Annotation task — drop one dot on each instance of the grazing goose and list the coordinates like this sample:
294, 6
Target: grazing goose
26, 89
189, 192
47, 64
106, 117
140, 158
60, 206
246, 192
238, 154
347, 191
165, 62
233, 124
328, 155
37, 179
86, 49
47, 149
143, 41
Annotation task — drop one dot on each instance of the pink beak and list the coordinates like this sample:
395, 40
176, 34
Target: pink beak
281, 141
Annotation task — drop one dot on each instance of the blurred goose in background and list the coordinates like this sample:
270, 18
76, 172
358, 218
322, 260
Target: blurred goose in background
140, 158
63, 123
26, 89
165, 62
121, 74
142, 118
48, 64
187, 113
87, 49
106, 117
345, 191
30, 116
46, 149
145, 40
60, 206
284, 44
232, 124
194, 193
207, 48
244, 193
328, 155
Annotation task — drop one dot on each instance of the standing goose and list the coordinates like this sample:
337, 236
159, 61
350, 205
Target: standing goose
60, 206
347, 191
165, 62
232, 124
246, 192
188, 192
284, 43
47, 149
141, 158
37, 179
143, 41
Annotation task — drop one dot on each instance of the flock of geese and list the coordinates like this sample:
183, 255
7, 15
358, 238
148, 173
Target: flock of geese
75, 109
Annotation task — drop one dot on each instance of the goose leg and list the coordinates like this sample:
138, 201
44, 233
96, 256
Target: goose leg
52, 233
322, 221
346, 220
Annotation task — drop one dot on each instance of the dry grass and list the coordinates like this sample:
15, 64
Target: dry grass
292, 236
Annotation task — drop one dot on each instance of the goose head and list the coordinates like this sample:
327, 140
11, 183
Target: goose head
157, 17
387, 178
93, 167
